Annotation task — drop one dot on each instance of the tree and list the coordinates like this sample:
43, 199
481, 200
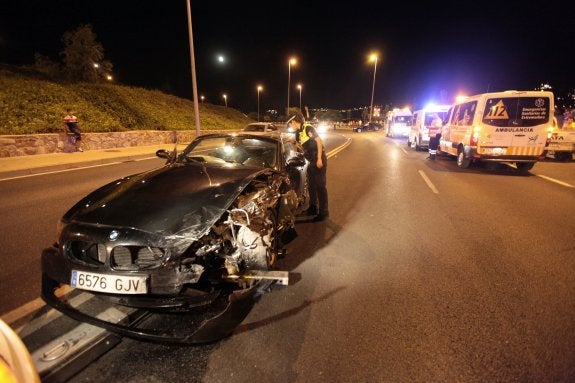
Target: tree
83, 56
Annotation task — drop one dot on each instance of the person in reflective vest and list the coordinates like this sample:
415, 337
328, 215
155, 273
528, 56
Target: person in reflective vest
314, 152
434, 135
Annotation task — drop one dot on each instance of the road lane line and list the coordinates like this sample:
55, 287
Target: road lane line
339, 148
556, 181
28, 308
428, 182
403, 149
73, 169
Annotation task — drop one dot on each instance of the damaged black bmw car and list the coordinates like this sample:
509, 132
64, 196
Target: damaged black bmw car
210, 223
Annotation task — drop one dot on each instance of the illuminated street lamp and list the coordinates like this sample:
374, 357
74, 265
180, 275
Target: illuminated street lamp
109, 78
260, 88
225, 99
292, 61
299, 87
373, 58
202, 98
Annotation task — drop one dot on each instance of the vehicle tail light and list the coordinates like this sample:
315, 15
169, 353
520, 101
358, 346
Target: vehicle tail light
475, 136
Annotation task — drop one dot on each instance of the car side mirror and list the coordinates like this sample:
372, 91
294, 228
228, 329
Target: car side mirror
163, 153
297, 160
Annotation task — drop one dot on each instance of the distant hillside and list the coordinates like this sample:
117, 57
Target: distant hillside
29, 104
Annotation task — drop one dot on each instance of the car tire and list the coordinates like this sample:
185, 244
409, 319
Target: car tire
358, 130
462, 161
563, 156
524, 167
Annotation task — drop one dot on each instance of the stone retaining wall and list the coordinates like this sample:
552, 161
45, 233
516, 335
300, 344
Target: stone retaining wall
30, 144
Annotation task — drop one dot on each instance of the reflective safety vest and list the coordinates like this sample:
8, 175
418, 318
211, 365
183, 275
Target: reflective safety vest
302, 134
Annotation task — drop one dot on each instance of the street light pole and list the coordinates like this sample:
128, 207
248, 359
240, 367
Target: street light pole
226, 99
373, 57
299, 87
290, 62
259, 90
193, 62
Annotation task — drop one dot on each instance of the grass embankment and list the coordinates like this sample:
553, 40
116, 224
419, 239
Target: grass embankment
30, 105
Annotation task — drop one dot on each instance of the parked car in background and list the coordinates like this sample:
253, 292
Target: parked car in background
260, 127
205, 227
368, 127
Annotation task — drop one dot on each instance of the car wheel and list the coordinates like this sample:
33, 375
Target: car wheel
358, 130
563, 156
462, 161
524, 167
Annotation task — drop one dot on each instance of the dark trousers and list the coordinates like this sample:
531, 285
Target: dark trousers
318, 188
434, 144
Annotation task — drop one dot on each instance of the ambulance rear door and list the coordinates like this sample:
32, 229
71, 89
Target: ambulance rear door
518, 124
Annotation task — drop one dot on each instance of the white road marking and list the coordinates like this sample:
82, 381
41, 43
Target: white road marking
556, 181
73, 169
428, 182
30, 307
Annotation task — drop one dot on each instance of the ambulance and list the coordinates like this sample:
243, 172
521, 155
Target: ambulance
418, 137
398, 122
511, 126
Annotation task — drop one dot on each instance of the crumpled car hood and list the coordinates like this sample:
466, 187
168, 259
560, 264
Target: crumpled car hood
178, 199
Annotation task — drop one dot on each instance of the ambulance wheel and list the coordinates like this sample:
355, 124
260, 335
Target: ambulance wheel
462, 161
524, 167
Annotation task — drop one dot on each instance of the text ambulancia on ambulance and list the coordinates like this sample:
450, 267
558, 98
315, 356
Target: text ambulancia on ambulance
510, 126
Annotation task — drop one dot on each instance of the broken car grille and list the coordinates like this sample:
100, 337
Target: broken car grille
121, 257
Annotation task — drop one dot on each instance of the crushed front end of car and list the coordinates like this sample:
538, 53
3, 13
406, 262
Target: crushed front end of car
154, 242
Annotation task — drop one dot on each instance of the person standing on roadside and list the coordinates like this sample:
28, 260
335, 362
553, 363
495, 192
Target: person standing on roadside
314, 152
434, 135
71, 122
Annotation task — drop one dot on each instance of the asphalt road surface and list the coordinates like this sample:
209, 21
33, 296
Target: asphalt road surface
423, 273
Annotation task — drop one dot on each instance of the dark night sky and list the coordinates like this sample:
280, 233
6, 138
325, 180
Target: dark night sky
426, 51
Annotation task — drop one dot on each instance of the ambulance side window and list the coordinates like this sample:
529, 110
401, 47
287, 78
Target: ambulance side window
455, 115
466, 112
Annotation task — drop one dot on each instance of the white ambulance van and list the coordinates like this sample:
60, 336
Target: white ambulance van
398, 122
418, 137
510, 126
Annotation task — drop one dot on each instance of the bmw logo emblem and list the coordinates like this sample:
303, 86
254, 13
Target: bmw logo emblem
114, 234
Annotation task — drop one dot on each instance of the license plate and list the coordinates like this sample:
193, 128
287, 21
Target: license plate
109, 283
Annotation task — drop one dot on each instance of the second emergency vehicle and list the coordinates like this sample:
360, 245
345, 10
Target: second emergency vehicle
418, 137
398, 122
510, 126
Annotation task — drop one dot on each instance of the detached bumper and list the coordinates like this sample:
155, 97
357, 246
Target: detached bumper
239, 304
